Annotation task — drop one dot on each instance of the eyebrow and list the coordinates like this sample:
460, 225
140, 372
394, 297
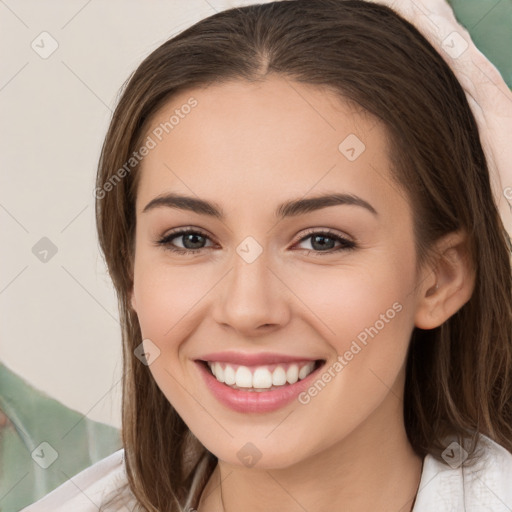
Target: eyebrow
287, 209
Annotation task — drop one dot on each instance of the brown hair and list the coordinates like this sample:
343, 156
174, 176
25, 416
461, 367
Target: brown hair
458, 376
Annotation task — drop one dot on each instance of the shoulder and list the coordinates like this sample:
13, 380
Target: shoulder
483, 486
89, 489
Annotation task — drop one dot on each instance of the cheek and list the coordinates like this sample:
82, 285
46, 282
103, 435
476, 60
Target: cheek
366, 316
352, 302
165, 295
165, 298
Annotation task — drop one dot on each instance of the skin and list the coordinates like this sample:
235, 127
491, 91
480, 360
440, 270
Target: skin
4, 420
249, 147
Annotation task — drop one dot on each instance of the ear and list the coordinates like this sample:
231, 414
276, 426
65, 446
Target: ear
447, 283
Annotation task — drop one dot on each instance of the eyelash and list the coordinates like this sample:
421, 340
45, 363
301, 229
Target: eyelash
346, 245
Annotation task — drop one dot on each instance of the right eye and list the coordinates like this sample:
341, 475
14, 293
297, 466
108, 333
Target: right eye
190, 238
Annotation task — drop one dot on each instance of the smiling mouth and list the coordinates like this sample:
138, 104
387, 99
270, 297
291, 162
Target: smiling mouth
262, 377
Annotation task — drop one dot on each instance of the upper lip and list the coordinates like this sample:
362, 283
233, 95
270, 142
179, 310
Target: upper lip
255, 359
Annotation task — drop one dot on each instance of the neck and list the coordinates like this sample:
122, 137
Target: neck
374, 468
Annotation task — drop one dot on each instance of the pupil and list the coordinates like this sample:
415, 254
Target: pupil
192, 237
322, 245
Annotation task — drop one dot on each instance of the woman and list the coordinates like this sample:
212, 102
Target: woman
314, 280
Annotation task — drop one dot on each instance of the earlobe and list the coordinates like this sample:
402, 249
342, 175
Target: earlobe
449, 283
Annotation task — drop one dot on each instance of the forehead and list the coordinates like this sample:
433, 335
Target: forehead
272, 139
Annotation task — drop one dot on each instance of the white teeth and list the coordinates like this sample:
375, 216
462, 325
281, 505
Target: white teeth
219, 372
229, 375
292, 374
279, 376
243, 377
305, 371
260, 378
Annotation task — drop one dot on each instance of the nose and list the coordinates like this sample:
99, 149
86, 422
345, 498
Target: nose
253, 298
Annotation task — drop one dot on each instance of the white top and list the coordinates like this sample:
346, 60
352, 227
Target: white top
484, 487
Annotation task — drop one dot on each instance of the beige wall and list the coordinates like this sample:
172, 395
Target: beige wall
58, 326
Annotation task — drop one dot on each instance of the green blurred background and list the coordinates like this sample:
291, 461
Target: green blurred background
72, 442
489, 23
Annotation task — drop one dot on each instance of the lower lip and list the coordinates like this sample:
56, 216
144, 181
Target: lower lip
254, 401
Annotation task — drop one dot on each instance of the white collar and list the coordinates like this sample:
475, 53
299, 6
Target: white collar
484, 486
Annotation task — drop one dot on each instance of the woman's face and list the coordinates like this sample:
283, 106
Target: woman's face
278, 278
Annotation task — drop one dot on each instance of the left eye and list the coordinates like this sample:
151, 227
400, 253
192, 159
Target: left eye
193, 242
318, 240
